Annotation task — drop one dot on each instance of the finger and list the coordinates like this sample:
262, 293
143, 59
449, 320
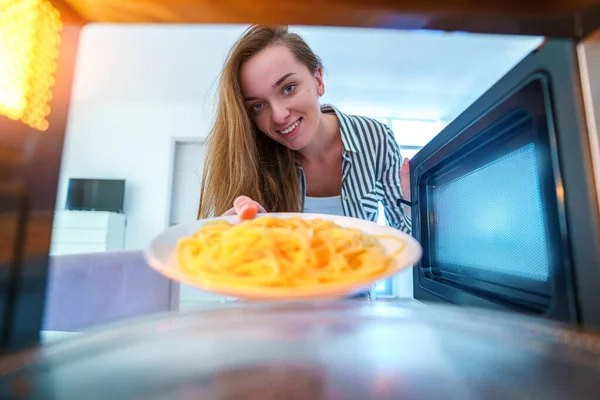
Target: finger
405, 169
247, 208
240, 201
248, 211
231, 211
260, 209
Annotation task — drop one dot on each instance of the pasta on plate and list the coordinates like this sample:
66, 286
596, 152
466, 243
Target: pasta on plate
273, 252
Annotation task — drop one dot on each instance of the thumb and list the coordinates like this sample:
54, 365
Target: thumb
245, 201
241, 203
405, 168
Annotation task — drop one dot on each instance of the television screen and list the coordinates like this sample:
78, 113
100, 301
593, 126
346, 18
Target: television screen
96, 194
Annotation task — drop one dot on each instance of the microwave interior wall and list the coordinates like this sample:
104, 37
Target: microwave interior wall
504, 201
30, 160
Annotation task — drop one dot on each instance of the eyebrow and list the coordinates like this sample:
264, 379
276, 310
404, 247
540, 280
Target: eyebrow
279, 82
283, 78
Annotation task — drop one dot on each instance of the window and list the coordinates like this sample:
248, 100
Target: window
385, 288
408, 152
411, 135
414, 133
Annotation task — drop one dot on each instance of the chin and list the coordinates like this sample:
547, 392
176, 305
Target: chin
289, 146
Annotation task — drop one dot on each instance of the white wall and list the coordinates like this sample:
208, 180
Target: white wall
131, 97
138, 87
129, 140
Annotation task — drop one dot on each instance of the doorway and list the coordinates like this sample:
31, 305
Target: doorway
188, 162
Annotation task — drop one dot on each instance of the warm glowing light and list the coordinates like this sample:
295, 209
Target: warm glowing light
29, 39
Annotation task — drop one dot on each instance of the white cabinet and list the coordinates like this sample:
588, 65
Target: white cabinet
87, 232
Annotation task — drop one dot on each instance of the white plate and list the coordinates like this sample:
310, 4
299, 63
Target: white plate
162, 257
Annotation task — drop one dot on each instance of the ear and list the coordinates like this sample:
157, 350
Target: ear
319, 81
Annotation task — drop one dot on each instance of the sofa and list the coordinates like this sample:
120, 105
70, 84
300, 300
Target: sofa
85, 290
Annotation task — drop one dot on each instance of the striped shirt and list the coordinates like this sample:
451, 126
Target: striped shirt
370, 170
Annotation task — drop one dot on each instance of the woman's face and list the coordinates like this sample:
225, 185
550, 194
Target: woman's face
282, 96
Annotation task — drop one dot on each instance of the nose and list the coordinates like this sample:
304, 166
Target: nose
280, 113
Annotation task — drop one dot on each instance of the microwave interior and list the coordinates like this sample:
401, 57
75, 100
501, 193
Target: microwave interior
503, 197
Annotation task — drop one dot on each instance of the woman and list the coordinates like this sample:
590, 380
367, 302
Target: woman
274, 148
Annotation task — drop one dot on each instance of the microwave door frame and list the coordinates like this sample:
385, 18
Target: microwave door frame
492, 145
579, 230
588, 279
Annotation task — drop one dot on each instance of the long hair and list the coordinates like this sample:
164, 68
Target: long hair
241, 160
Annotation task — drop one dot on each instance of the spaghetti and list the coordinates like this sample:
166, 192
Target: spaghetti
275, 252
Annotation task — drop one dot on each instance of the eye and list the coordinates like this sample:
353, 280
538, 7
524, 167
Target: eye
289, 89
257, 107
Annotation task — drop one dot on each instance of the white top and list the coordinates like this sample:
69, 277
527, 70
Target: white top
324, 205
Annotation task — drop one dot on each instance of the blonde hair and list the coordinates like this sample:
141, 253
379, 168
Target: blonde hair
241, 160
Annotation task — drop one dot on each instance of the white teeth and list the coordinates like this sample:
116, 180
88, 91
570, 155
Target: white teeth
291, 128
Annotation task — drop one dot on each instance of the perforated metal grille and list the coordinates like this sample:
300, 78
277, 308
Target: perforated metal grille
492, 218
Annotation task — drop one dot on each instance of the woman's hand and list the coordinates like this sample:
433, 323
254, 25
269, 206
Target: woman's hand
405, 179
245, 207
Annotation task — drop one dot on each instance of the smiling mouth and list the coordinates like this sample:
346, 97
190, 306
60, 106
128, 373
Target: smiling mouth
290, 128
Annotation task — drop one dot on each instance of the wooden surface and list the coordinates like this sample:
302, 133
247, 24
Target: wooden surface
549, 18
29, 167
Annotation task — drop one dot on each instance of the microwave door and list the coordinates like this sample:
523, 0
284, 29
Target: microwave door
504, 200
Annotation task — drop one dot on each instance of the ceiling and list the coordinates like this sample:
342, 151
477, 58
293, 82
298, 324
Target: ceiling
418, 74
383, 73
555, 18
